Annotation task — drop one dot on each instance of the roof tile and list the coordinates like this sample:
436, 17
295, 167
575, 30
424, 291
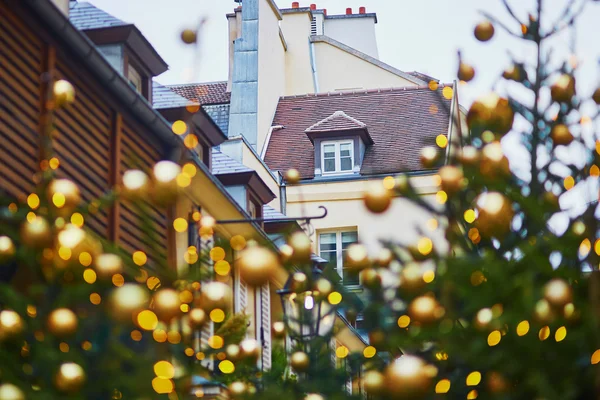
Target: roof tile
339, 120
86, 16
204, 93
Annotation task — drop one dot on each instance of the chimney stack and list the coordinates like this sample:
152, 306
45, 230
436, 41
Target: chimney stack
324, 11
348, 11
296, 4
362, 10
313, 6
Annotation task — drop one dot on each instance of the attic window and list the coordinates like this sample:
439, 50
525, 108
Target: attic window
135, 79
337, 156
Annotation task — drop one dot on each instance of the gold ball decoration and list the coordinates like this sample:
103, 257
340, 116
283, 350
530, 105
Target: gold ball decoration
370, 278
78, 241
494, 163
250, 348
62, 322
558, 292
496, 382
189, 36
238, 389
136, 184
491, 112
374, 383
408, 377
301, 245
299, 361
561, 135
465, 72
215, 295
494, 214
64, 196
127, 300
429, 156
596, 96
197, 317
452, 179
11, 324
543, 312
469, 156
377, 337
323, 287
106, 265
233, 352
8, 391
425, 309
563, 89
314, 396
377, 198
69, 378
292, 176
513, 73
258, 265
166, 304
63, 93
357, 257
7, 249
165, 188
36, 233
411, 277
278, 330
484, 31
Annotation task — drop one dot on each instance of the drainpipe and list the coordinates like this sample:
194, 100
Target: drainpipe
282, 194
313, 64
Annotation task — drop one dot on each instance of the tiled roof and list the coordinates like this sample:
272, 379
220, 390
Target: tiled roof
204, 93
163, 97
223, 164
400, 121
339, 120
219, 114
271, 213
86, 16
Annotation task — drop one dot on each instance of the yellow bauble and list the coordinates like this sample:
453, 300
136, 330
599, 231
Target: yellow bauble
11, 324
197, 317
136, 184
494, 163
452, 179
384, 257
494, 214
561, 135
8, 391
302, 247
425, 309
69, 378
238, 389
292, 176
378, 198
215, 295
278, 330
429, 156
558, 292
408, 377
258, 265
62, 322
64, 196
78, 241
596, 96
543, 312
411, 277
469, 156
127, 300
563, 89
250, 348
106, 265
164, 183
491, 112
357, 257
36, 234
484, 31
465, 72
7, 249
189, 36
374, 383
63, 93
166, 304
299, 361
323, 287
370, 278
314, 396
233, 352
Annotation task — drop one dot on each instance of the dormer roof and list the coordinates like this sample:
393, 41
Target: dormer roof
86, 16
339, 124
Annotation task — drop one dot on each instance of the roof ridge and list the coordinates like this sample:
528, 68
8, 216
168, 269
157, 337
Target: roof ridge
365, 91
337, 114
196, 83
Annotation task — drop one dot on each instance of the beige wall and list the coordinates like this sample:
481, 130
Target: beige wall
298, 71
358, 33
355, 74
251, 160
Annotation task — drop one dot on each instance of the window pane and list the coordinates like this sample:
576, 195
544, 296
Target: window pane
330, 257
345, 149
327, 242
350, 277
349, 238
329, 151
329, 165
346, 164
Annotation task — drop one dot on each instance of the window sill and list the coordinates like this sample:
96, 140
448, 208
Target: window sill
354, 288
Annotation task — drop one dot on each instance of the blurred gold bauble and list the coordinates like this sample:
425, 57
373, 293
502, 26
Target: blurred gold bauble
314, 396
7, 249
370, 278
374, 383
494, 214
233, 352
136, 184
285, 253
128, 299
63, 93
561, 135
292, 176
299, 282
513, 73
8, 391
596, 96
323, 287
384, 257
563, 89
558, 292
408, 377
69, 378
411, 277
429, 156
377, 337
106, 265
496, 382
299, 361
278, 330
452, 179
62, 322
166, 304
543, 312
491, 112
215, 295
301, 244
64, 196
378, 198
484, 31
465, 72
257, 265
197, 317
164, 183
188, 36
250, 348
425, 309
494, 163
36, 234
238, 389
357, 257
11, 324
78, 241
469, 156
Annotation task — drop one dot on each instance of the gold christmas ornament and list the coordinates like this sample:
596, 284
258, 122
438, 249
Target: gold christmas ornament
136, 184
250, 348
561, 135
376, 338
425, 309
7, 249
69, 378
465, 72
411, 277
378, 198
127, 300
36, 233
596, 96
408, 377
563, 89
62, 322
166, 304
314, 396
165, 188
106, 265
78, 241
558, 292
233, 352
285, 252
384, 257
189, 36
370, 278
452, 179
469, 156
491, 112
299, 282
357, 257
484, 31
543, 312
292, 176
258, 265
63, 93
323, 287
494, 163
64, 196
429, 156
513, 73
496, 382
197, 317
374, 383
8, 391
299, 361
302, 247
238, 389
215, 295
494, 214
11, 324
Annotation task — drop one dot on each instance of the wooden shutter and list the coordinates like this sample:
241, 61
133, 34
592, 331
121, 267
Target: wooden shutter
241, 293
265, 325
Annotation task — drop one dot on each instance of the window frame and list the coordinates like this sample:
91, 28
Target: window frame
337, 157
132, 71
339, 255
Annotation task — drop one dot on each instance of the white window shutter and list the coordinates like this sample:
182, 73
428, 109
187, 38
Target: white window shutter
349, 379
333, 347
208, 330
265, 323
241, 293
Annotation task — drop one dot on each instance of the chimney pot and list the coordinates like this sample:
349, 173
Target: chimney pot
313, 6
324, 11
349, 11
295, 4
362, 10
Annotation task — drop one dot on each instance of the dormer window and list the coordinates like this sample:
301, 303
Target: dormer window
337, 156
135, 79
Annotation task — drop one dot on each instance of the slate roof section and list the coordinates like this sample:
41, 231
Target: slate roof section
271, 213
337, 121
220, 115
163, 97
400, 120
86, 16
204, 93
223, 164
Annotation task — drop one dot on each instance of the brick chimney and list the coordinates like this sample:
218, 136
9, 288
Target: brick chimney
362, 10
349, 11
296, 4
